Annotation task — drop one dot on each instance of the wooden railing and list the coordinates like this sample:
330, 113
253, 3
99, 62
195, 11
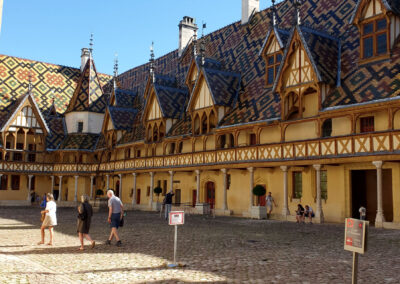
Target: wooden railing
332, 147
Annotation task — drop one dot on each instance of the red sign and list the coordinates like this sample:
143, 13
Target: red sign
355, 235
176, 218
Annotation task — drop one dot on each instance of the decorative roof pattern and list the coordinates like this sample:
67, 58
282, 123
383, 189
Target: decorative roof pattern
124, 98
281, 35
172, 100
57, 132
85, 142
88, 95
122, 118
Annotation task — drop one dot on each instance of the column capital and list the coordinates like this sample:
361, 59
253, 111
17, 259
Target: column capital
1, 175
91, 177
171, 173
30, 176
76, 177
378, 164
60, 177
151, 174
120, 176
251, 169
224, 171
134, 174
197, 172
317, 167
107, 175
284, 168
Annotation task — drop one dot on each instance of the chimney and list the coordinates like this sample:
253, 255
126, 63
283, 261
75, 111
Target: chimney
84, 57
249, 7
187, 29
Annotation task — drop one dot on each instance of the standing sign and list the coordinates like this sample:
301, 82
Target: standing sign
176, 218
355, 240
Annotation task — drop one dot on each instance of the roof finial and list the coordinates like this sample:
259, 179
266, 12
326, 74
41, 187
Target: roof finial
91, 43
153, 78
273, 9
195, 43
297, 5
203, 46
116, 65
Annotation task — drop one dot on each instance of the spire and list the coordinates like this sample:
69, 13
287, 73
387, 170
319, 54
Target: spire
115, 71
297, 4
273, 9
91, 44
195, 44
152, 62
203, 46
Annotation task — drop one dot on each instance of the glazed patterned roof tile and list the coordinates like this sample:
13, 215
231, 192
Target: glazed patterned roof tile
137, 133
57, 132
125, 98
122, 118
172, 100
208, 63
86, 142
224, 86
48, 81
390, 5
88, 95
182, 127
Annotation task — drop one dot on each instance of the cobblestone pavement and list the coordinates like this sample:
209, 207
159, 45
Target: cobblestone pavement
220, 250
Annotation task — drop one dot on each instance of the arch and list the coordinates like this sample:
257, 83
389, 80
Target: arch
204, 123
326, 129
291, 106
155, 133
149, 133
196, 125
212, 120
161, 130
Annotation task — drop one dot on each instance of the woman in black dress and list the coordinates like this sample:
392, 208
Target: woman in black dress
84, 217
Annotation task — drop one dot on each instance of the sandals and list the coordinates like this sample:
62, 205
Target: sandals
93, 244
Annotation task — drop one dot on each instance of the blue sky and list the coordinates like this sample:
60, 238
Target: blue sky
54, 31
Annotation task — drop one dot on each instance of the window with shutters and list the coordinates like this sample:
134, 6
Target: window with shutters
367, 124
15, 181
273, 62
297, 185
374, 38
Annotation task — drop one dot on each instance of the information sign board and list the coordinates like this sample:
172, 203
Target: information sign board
176, 218
355, 237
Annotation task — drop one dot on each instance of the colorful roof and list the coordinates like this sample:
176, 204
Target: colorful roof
172, 100
124, 98
122, 118
85, 142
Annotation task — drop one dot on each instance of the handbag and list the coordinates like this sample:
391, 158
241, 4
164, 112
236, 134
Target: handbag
42, 216
121, 222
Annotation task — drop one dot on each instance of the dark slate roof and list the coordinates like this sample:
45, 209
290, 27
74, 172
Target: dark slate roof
122, 118
182, 127
57, 131
171, 100
390, 5
124, 98
136, 134
208, 63
80, 141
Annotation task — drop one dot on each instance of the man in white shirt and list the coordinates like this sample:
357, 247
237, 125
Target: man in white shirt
115, 214
269, 200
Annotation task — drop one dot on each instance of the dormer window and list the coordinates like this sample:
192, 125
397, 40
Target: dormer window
273, 62
80, 127
374, 38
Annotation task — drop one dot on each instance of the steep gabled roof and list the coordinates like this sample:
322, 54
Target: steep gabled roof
88, 95
281, 35
122, 118
389, 5
224, 86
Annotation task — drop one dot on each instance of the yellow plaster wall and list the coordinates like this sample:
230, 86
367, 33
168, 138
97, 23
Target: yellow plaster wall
341, 126
187, 146
270, 135
301, 131
310, 105
20, 194
210, 143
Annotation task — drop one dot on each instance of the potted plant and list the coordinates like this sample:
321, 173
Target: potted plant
157, 190
259, 212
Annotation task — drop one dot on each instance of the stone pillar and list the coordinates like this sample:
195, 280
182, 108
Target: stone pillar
151, 190
380, 217
29, 187
108, 182
197, 186
251, 171
285, 209
134, 189
225, 201
318, 212
91, 186
171, 180
60, 188
52, 185
76, 188
120, 186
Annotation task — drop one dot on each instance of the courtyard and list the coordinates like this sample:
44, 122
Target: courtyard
213, 250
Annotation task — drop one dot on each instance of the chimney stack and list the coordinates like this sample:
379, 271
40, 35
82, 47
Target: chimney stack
84, 57
249, 7
187, 29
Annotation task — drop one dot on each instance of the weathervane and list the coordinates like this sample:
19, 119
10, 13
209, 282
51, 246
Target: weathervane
203, 45
152, 62
297, 5
273, 13
116, 65
91, 43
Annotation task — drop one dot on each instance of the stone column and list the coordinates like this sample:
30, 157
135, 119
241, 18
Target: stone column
251, 171
91, 186
380, 217
197, 186
171, 180
225, 201
134, 189
108, 182
60, 188
318, 212
76, 188
120, 186
151, 189
29, 187
285, 209
52, 185
1, 176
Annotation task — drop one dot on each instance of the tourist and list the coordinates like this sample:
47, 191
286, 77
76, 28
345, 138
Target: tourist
300, 214
115, 214
85, 213
309, 213
363, 213
44, 201
50, 219
168, 203
270, 201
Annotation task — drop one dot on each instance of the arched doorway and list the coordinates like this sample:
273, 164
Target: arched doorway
210, 194
117, 188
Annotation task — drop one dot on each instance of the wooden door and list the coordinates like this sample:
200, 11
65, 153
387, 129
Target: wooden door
194, 196
261, 199
117, 188
210, 190
138, 196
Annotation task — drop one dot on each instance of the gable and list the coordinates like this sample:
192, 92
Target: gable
273, 46
202, 98
154, 110
109, 124
299, 70
371, 9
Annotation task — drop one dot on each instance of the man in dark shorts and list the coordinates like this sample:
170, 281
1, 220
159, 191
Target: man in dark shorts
115, 213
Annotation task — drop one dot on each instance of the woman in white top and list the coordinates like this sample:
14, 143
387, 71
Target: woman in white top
50, 219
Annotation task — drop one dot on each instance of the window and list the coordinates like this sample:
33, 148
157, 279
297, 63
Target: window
374, 38
367, 124
31, 158
32, 147
327, 128
80, 127
127, 153
297, 185
273, 62
148, 191
20, 146
15, 182
177, 197
253, 139
164, 188
180, 146
228, 181
17, 157
138, 153
3, 182
324, 184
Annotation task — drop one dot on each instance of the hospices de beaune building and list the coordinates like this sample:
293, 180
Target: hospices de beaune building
301, 98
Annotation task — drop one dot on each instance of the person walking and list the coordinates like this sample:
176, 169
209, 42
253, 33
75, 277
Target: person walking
115, 214
85, 213
270, 202
363, 213
168, 203
50, 219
